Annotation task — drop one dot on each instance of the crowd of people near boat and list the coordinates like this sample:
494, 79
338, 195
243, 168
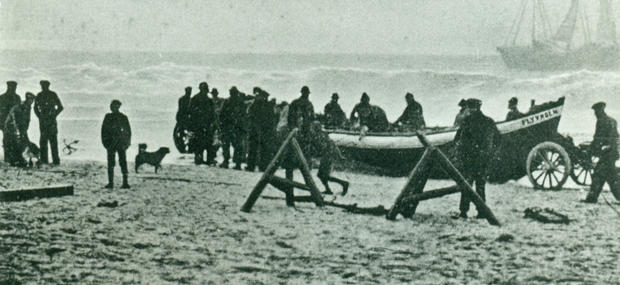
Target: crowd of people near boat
258, 124
251, 124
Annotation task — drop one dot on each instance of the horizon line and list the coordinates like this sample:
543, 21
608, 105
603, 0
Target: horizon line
245, 53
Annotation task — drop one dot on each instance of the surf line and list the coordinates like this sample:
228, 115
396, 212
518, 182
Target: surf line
540, 117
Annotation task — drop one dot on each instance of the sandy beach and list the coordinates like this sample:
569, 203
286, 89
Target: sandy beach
184, 226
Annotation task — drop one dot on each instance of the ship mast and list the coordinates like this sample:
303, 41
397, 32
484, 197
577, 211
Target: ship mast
566, 31
606, 25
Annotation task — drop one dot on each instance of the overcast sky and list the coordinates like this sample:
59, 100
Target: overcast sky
254, 26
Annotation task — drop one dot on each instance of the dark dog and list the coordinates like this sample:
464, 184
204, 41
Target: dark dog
152, 158
31, 151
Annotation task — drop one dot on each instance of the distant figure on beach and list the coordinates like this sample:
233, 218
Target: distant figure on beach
16, 131
183, 110
8, 100
462, 113
334, 116
373, 117
116, 138
232, 124
203, 122
47, 107
605, 147
475, 141
513, 112
412, 118
262, 119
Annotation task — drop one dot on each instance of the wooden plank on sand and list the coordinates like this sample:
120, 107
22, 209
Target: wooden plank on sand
13, 195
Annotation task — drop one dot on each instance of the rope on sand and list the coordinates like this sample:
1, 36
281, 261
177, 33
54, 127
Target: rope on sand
187, 180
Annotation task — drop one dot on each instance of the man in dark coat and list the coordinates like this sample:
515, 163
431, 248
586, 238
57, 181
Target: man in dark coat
334, 116
412, 118
183, 110
47, 107
262, 135
513, 112
116, 138
605, 146
16, 125
475, 141
203, 121
232, 124
7, 101
362, 112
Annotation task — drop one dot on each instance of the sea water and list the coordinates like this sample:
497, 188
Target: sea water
149, 85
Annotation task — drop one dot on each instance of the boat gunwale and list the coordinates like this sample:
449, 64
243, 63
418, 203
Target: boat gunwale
554, 104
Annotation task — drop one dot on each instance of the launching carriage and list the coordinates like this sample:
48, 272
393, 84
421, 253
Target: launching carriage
529, 146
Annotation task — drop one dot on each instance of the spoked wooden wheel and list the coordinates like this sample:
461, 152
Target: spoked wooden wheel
181, 138
548, 166
582, 172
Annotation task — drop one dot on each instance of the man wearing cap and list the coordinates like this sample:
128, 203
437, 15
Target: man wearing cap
116, 138
513, 112
15, 137
334, 116
183, 110
47, 107
7, 101
203, 121
462, 113
362, 112
475, 141
412, 118
232, 124
263, 120
605, 146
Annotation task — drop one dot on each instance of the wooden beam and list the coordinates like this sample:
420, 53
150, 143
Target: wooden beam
419, 172
305, 171
35, 192
426, 195
275, 180
466, 188
271, 169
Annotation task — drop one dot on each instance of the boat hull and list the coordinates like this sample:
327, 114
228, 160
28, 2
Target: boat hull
397, 154
534, 58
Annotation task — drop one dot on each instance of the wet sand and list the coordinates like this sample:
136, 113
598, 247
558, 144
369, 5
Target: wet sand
183, 226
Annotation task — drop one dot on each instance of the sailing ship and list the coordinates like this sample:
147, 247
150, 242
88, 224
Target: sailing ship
557, 51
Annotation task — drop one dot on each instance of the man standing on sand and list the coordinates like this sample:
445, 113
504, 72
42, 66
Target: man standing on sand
116, 138
47, 107
232, 124
183, 110
16, 131
7, 101
475, 141
605, 146
203, 121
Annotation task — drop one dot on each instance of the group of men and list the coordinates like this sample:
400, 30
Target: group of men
15, 120
250, 124
373, 117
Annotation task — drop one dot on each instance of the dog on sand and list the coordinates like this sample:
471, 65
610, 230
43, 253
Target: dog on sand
152, 158
31, 152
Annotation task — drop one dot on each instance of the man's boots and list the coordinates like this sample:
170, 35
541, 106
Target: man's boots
125, 183
110, 178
